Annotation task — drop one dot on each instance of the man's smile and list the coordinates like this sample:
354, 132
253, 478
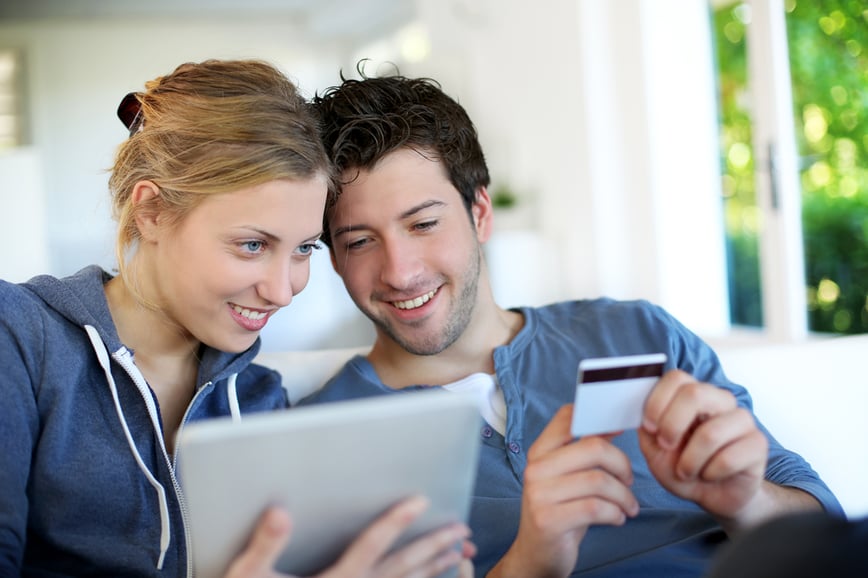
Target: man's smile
414, 303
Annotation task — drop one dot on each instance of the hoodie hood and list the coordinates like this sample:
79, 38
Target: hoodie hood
80, 298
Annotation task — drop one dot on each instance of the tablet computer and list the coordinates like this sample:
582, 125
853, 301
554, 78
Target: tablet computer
335, 467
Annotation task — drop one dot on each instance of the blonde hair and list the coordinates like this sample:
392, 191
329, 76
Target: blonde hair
209, 128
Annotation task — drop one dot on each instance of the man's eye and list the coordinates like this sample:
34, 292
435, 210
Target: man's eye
425, 225
357, 243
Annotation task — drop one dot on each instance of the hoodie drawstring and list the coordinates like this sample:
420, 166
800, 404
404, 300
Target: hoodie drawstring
232, 397
103, 356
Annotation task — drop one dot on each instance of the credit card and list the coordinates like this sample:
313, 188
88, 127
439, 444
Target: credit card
611, 392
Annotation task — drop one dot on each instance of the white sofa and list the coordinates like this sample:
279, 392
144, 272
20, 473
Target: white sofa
812, 396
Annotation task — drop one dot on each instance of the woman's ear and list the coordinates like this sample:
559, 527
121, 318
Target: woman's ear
483, 215
145, 201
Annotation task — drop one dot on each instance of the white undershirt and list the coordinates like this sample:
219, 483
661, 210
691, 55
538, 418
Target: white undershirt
492, 405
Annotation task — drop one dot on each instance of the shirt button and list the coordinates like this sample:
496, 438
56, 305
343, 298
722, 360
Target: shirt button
514, 447
487, 432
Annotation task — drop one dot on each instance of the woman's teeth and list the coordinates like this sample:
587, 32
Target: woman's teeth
414, 303
255, 315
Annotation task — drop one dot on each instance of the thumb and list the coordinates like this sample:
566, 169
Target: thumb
268, 541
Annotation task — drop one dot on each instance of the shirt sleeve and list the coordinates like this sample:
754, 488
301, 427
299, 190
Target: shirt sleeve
18, 432
784, 467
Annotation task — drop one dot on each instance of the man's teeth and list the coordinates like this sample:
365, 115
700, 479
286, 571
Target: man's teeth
255, 315
414, 303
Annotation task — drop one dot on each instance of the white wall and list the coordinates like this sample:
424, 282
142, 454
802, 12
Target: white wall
78, 71
600, 112
23, 235
604, 113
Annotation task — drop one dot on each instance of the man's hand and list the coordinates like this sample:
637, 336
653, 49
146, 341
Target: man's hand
367, 557
703, 447
568, 485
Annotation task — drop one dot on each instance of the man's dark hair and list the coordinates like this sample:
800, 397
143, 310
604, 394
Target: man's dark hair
364, 120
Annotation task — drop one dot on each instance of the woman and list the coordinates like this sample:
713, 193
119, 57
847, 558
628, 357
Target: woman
218, 193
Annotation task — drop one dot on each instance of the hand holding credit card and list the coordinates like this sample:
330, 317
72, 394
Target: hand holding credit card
611, 392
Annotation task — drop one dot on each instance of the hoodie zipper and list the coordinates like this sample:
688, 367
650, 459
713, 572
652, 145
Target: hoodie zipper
124, 358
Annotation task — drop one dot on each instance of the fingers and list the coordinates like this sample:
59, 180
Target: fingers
701, 445
723, 446
572, 483
429, 555
556, 453
678, 403
568, 468
374, 542
269, 539
569, 485
556, 434
572, 480
468, 550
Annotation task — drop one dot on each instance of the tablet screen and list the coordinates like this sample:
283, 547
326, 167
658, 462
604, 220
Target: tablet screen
335, 467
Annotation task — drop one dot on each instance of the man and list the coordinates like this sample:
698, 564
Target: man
406, 235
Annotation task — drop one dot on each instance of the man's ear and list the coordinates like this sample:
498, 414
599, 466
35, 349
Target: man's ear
145, 199
483, 215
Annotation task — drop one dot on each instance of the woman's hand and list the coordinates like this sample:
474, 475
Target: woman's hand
367, 556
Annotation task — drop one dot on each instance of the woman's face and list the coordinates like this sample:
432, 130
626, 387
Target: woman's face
235, 260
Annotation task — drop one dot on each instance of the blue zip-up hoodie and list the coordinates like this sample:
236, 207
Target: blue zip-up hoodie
87, 487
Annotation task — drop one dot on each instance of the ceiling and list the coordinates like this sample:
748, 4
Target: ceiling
325, 18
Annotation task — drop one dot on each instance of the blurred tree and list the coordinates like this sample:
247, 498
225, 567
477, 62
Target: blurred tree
828, 45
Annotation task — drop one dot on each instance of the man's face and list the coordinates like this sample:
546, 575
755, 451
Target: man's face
408, 252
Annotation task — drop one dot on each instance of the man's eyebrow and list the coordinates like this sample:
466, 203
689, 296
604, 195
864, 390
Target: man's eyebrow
421, 207
348, 229
406, 214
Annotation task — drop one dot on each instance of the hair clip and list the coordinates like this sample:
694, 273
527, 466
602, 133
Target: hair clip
130, 112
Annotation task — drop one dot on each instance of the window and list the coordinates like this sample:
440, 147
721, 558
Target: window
11, 113
806, 268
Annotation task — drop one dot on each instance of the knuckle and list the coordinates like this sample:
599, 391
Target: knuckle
532, 473
595, 444
597, 479
593, 509
692, 391
707, 434
535, 494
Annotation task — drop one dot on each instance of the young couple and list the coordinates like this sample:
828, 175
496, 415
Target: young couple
219, 194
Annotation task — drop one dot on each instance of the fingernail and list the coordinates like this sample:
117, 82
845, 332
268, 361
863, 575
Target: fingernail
416, 505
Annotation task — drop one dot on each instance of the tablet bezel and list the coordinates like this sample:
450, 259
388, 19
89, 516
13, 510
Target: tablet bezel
381, 450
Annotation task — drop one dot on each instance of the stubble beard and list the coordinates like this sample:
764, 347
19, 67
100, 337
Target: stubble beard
456, 323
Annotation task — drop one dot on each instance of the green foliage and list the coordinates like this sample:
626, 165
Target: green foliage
737, 166
828, 43
503, 197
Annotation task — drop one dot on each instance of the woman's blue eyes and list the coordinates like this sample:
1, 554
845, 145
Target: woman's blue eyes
256, 247
308, 248
253, 246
